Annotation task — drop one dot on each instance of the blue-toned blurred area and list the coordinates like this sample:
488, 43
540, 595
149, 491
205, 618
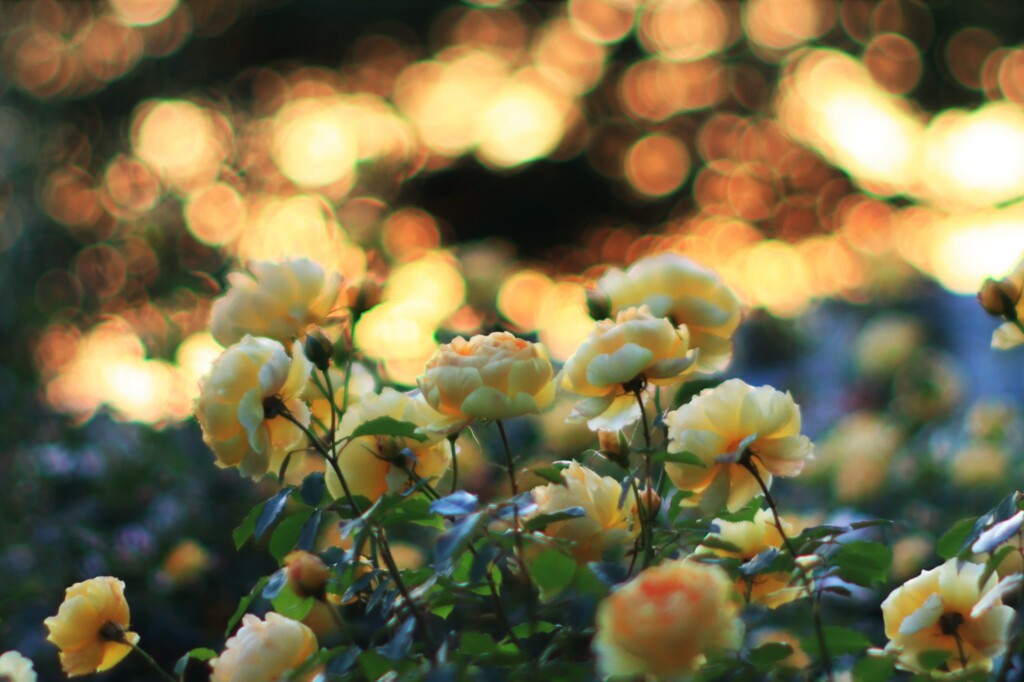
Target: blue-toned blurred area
852, 170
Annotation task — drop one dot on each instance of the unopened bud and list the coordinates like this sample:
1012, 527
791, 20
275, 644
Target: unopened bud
367, 295
651, 501
598, 304
608, 442
318, 348
307, 574
999, 298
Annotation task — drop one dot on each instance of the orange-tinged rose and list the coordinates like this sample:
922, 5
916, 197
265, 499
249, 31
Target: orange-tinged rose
276, 300
946, 609
16, 668
619, 357
1009, 334
665, 621
263, 650
307, 574
675, 287
716, 423
93, 615
497, 376
751, 538
239, 403
605, 524
374, 465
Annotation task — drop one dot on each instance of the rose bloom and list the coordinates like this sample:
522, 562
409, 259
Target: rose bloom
16, 668
752, 538
605, 525
275, 300
675, 287
1010, 302
666, 620
497, 376
715, 423
374, 465
360, 383
605, 369
89, 608
263, 650
243, 382
940, 606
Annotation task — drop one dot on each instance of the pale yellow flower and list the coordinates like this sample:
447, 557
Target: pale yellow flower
604, 526
239, 403
1008, 334
857, 453
16, 668
374, 465
263, 650
619, 357
665, 621
751, 538
720, 420
361, 383
91, 626
497, 376
685, 292
945, 608
275, 300
886, 342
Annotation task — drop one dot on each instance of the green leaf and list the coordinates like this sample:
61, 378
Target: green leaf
550, 474
933, 658
684, 457
291, 605
476, 644
872, 669
286, 535
200, 654
314, 489
552, 571
993, 562
953, 539
388, 426
863, 563
766, 655
374, 665
243, 605
271, 510
442, 610
245, 529
541, 521
840, 641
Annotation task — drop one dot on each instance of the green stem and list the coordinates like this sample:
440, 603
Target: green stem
647, 520
1019, 325
149, 660
517, 528
819, 628
455, 463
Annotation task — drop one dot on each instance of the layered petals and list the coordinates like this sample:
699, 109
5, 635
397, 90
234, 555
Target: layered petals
89, 608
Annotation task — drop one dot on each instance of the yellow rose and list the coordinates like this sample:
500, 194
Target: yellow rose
91, 626
307, 574
1004, 299
360, 383
666, 620
752, 538
240, 400
374, 465
16, 668
497, 376
715, 423
263, 650
857, 453
945, 608
275, 300
675, 287
605, 524
620, 356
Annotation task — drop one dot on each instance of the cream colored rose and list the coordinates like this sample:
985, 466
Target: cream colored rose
666, 620
90, 609
374, 465
16, 668
604, 526
275, 300
675, 287
497, 376
238, 401
620, 356
945, 608
263, 650
857, 453
716, 423
361, 383
752, 538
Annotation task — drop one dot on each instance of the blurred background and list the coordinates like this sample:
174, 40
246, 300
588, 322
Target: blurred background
853, 170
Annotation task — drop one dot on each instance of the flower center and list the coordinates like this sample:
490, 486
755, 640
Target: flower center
112, 632
949, 622
273, 407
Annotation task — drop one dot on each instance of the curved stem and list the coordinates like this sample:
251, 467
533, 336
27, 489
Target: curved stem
150, 661
647, 520
819, 628
517, 528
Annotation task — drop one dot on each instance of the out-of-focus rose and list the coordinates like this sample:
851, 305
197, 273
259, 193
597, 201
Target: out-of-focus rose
619, 357
979, 464
497, 376
275, 300
720, 420
946, 609
857, 453
240, 400
262, 650
665, 621
16, 668
751, 538
360, 383
604, 526
91, 626
307, 574
675, 287
928, 386
374, 465
909, 554
886, 342
185, 563
993, 420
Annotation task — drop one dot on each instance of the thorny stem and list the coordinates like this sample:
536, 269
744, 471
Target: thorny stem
1018, 624
114, 632
531, 606
746, 461
647, 520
